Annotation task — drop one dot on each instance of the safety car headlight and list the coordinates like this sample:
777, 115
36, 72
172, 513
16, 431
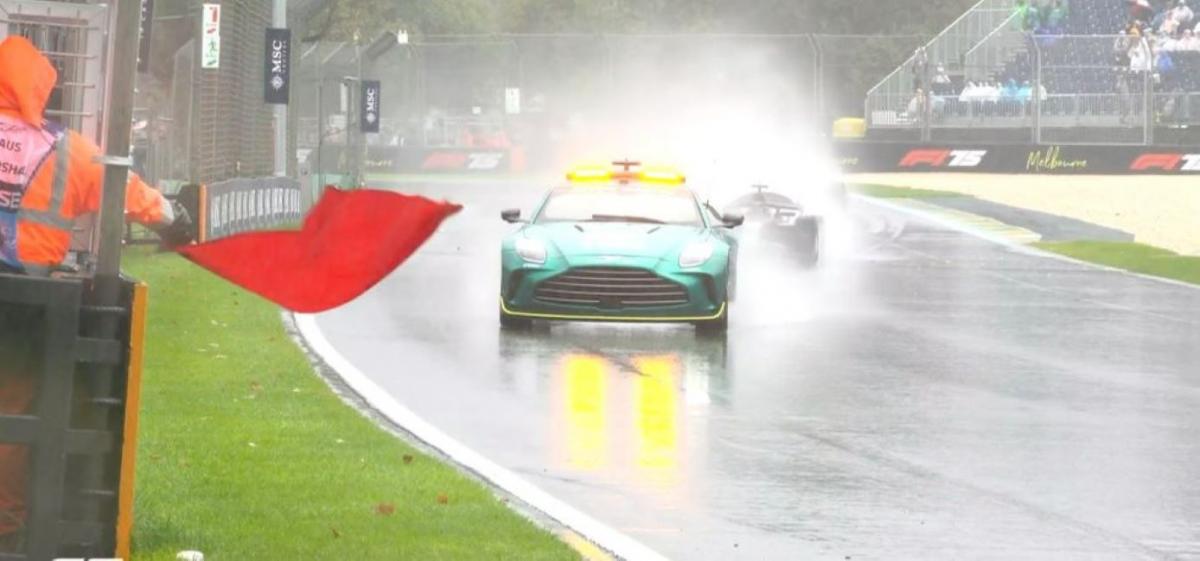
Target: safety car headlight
696, 254
532, 251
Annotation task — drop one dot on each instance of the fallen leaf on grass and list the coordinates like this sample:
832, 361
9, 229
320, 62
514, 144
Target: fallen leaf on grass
407, 459
385, 509
336, 533
443, 499
255, 387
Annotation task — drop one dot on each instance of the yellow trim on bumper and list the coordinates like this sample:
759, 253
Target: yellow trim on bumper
505, 309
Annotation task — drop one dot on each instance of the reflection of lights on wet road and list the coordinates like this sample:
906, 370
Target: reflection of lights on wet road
656, 410
586, 384
646, 400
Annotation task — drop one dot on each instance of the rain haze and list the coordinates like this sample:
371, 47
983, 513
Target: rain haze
731, 280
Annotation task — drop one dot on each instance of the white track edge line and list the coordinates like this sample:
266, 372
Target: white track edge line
1011, 244
599, 533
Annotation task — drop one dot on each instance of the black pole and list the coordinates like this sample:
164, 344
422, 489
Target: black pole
117, 116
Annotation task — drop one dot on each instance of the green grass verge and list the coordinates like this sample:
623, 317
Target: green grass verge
245, 454
890, 192
1135, 257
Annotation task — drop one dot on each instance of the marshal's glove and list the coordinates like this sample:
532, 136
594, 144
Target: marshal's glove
182, 231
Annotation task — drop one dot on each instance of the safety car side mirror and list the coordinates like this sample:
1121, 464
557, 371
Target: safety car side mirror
732, 219
512, 215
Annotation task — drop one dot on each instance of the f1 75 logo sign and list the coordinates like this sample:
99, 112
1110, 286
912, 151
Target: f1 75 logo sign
1166, 162
470, 161
936, 158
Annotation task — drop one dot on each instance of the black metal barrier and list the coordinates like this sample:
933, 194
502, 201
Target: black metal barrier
68, 419
884, 157
244, 205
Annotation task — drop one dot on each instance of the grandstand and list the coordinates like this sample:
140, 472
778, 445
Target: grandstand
992, 74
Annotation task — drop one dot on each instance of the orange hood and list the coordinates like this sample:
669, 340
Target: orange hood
26, 79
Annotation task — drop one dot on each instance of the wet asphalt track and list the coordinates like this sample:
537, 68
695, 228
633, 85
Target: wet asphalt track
934, 397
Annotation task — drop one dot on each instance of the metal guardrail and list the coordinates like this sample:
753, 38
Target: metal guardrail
1057, 110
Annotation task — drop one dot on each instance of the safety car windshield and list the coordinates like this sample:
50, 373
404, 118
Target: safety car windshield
621, 204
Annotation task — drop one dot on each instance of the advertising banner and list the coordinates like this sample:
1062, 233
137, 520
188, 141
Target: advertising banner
243, 205
369, 117
277, 70
210, 37
882, 157
396, 159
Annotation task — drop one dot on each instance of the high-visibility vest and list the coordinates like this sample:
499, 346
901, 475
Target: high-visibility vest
23, 151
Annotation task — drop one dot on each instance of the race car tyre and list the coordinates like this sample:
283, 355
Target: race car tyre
812, 254
514, 322
714, 326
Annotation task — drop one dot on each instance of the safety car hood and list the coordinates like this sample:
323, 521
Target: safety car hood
616, 238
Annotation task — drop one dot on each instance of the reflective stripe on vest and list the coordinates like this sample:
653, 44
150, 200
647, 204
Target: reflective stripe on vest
53, 215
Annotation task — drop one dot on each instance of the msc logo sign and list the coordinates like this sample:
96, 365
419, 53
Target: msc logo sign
1166, 162
935, 158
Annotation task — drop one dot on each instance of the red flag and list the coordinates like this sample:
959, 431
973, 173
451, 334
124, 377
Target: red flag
350, 241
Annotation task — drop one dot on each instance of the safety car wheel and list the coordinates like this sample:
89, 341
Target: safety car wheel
514, 322
716, 326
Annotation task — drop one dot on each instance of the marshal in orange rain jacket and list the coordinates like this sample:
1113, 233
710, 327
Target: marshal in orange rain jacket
48, 177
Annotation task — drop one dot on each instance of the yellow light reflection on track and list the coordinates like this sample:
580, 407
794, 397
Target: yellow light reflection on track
586, 384
657, 412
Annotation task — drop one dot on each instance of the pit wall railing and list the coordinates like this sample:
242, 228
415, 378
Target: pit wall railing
949, 48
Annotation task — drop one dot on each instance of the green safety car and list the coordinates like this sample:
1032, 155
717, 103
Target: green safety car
622, 243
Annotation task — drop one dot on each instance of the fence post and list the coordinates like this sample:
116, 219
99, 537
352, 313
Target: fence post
1148, 97
818, 74
1036, 93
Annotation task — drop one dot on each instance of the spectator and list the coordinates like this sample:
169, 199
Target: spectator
920, 67
1141, 58
969, 93
916, 106
1188, 41
1122, 45
990, 92
1009, 91
1140, 10
940, 75
1021, 14
1169, 25
1057, 19
1025, 92
1164, 65
1183, 14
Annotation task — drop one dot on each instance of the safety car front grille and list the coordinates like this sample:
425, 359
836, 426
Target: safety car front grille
611, 287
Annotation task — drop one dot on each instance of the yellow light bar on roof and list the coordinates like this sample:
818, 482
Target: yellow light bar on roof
580, 174
605, 174
664, 176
